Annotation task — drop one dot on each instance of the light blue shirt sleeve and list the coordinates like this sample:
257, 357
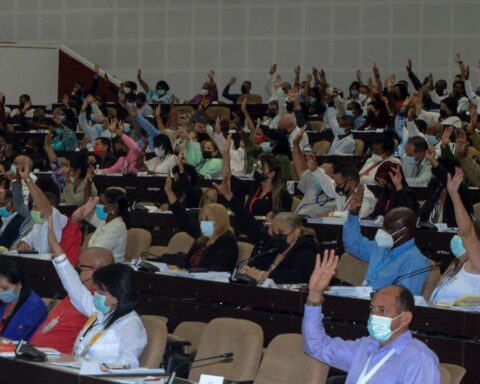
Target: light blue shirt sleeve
85, 127
353, 241
149, 128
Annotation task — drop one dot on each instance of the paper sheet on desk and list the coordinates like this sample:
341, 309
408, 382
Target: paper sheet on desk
357, 292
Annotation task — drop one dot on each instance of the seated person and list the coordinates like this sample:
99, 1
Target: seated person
382, 150
102, 153
21, 309
184, 184
284, 251
394, 192
157, 95
11, 220
113, 333
390, 350
417, 169
64, 322
205, 157
343, 142
64, 138
215, 247
164, 159
393, 253
107, 214
208, 93
344, 182
126, 150
463, 276
20, 162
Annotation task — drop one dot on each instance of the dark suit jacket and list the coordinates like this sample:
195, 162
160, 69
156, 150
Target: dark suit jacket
10, 233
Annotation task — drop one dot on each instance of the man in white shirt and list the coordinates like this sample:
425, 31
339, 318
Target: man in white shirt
142, 107
343, 142
288, 124
416, 168
382, 150
25, 107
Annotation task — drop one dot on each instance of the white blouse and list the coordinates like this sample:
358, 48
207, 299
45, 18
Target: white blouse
462, 283
157, 165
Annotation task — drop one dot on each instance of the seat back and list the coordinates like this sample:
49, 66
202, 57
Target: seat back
251, 99
157, 332
180, 242
190, 331
320, 148
138, 241
111, 112
359, 146
317, 125
214, 110
451, 373
241, 337
184, 109
285, 362
432, 280
295, 203
351, 269
244, 251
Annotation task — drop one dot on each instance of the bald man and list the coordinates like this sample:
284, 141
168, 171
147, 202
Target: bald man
388, 355
392, 254
20, 162
288, 124
64, 323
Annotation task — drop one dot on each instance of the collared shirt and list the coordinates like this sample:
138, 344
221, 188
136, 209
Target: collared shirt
412, 361
385, 264
419, 174
111, 236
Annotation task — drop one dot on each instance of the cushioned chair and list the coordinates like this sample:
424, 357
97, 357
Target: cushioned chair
111, 112
451, 374
351, 269
295, 203
244, 251
156, 328
285, 362
432, 280
321, 148
190, 331
183, 109
241, 337
251, 99
317, 125
138, 241
359, 146
180, 242
214, 110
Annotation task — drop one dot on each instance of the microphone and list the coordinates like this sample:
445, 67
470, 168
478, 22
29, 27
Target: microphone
417, 272
242, 278
224, 356
26, 351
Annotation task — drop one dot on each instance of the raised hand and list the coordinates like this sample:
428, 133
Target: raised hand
459, 58
311, 161
397, 177
355, 203
297, 139
447, 133
454, 182
210, 75
232, 80
278, 82
431, 153
168, 188
461, 144
224, 187
139, 74
120, 128
322, 275
244, 106
158, 111
358, 74
273, 69
376, 70
297, 70
48, 139
408, 66
112, 125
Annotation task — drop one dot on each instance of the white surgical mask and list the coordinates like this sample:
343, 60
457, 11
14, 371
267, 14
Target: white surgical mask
127, 90
379, 327
159, 152
362, 98
385, 239
377, 158
207, 227
204, 92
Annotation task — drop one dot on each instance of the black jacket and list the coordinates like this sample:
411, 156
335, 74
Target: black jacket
222, 255
10, 233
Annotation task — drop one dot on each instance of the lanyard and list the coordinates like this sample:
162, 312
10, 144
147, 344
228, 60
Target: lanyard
91, 322
255, 198
364, 376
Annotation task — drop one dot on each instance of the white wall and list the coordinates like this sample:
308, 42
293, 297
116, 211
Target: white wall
180, 40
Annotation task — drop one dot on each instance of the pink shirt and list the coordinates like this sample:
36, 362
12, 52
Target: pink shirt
128, 162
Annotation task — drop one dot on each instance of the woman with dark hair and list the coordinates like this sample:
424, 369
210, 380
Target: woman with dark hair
164, 159
113, 333
108, 214
21, 309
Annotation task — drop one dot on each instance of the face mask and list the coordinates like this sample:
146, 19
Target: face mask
259, 177
37, 217
8, 296
100, 211
127, 90
99, 128
243, 89
341, 190
59, 131
206, 155
139, 104
93, 118
312, 100
341, 131
379, 327
456, 246
259, 139
159, 152
362, 97
99, 303
443, 113
457, 94
4, 212
72, 179
280, 242
161, 92
98, 151
61, 118
376, 158
349, 113
204, 92
207, 227
409, 160
431, 139
385, 239
354, 92
370, 115
13, 169
266, 147
126, 128
271, 114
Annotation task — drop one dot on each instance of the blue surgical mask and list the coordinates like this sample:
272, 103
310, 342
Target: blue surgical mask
4, 212
161, 92
99, 128
126, 128
312, 100
350, 113
379, 327
207, 227
93, 118
13, 169
456, 246
354, 92
8, 296
61, 118
266, 146
341, 131
100, 211
431, 139
99, 303
59, 131
409, 160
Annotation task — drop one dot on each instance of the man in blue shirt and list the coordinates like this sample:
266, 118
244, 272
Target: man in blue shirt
389, 355
393, 255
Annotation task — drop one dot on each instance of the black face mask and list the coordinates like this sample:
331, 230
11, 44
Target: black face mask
370, 115
207, 155
457, 94
259, 177
280, 242
179, 187
244, 89
341, 190
443, 113
120, 153
271, 114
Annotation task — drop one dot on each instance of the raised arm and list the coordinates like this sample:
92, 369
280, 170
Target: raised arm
141, 81
299, 161
39, 199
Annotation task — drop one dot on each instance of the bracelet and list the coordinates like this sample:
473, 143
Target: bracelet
59, 259
310, 303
